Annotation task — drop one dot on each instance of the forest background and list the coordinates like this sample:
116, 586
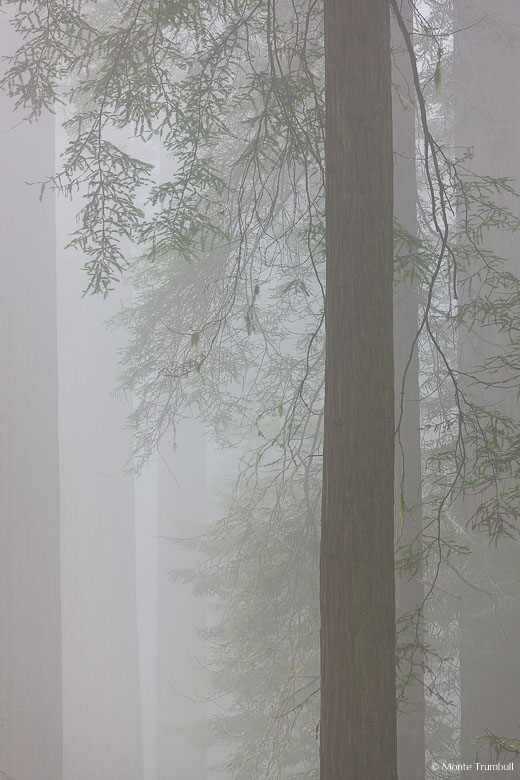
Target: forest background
213, 211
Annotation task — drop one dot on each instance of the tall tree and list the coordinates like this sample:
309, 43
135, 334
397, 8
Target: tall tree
101, 695
487, 115
181, 509
407, 497
358, 712
266, 69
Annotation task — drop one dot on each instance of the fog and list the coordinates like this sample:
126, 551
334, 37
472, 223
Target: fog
162, 429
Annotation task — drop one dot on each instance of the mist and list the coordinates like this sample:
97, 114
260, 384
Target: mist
260, 435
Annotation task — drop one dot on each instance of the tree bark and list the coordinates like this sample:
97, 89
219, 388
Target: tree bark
358, 707
407, 513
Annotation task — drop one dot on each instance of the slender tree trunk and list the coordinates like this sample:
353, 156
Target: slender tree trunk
146, 543
181, 505
181, 513
407, 503
30, 617
358, 710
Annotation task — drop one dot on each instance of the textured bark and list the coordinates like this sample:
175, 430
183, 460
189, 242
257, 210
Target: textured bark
358, 709
30, 621
409, 590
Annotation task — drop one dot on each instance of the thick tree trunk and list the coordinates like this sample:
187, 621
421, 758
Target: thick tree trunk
358, 711
407, 512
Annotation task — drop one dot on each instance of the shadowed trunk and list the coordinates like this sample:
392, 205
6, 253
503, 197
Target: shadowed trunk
358, 710
407, 500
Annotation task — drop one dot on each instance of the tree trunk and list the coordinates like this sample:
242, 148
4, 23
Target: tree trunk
30, 618
358, 708
407, 512
181, 505
101, 686
487, 117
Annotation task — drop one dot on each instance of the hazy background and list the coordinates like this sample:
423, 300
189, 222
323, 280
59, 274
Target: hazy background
104, 650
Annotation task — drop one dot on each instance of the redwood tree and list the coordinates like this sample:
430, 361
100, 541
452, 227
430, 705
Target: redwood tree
358, 712
407, 496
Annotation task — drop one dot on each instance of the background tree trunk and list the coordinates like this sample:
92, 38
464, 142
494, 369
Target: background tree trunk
180, 651
101, 685
30, 620
358, 710
487, 117
409, 590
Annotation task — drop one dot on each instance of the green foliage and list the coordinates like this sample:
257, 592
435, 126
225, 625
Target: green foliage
260, 570
232, 91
